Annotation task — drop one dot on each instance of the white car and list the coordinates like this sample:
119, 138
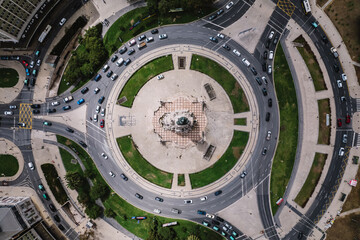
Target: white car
271, 35
210, 215
31, 166
236, 52
62, 21
221, 36
344, 77
114, 77
104, 155
339, 83
268, 135
55, 103
203, 198
229, 5
341, 151
12, 107
97, 109
111, 174
157, 211
8, 113
269, 69
103, 112
271, 55
160, 77
264, 80
95, 117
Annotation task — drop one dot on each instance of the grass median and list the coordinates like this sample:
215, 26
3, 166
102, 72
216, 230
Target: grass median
53, 181
224, 164
144, 74
8, 77
324, 131
141, 166
284, 158
224, 78
240, 121
312, 179
311, 63
9, 165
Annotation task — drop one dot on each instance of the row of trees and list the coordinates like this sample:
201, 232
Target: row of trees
163, 6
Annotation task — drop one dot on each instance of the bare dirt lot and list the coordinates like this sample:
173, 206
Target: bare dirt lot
347, 227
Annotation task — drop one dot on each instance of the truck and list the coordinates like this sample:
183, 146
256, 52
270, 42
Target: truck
141, 45
68, 99
334, 52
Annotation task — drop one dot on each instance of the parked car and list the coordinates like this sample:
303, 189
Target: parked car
67, 107
229, 5
114, 58
123, 50
154, 31
102, 123
84, 90
80, 101
220, 35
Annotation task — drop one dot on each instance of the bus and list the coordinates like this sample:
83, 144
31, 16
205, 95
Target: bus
44, 33
306, 6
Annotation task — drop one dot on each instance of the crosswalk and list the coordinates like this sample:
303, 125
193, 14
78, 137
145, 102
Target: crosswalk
358, 104
357, 144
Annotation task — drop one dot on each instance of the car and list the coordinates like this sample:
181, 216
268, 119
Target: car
271, 55
269, 102
38, 62
234, 234
52, 207
264, 67
271, 35
267, 43
269, 69
114, 77
102, 112
84, 90
229, 5
96, 90
343, 77
201, 212
162, 36
215, 228
231, 237
339, 123
245, 62
205, 223
217, 193
56, 103
339, 83
336, 68
159, 199
258, 80
123, 176
127, 62
80, 101
344, 139
203, 198
334, 52
41, 187
343, 98
141, 45
109, 73
253, 70
123, 50
160, 77
267, 117
341, 151
347, 120
236, 52
315, 24
228, 225
12, 107
149, 39
221, 36
102, 123
62, 21
138, 196
27, 72
26, 81
276, 39
57, 218
219, 219
68, 99
212, 17
212, 216
324, 39
69, 130
67, 107
187, 201
25, 63
32, 81
31, 64
31, 166
105, 68
35, 106
226, 47
220, 11
95, 118
97, 77
37, 53
174, 210
101, 100
132, 42
34, 72
243, 174
213, 39
264, 91
47, 123
142, 37
264, 151
83, 144
265, 54
268, 135
8, 113
215, 222
45, 196
131, 51
36, 111
104, 155
20, 124
114, 58
51, 110
61, 227
111, 174
154, 31
223, 233
156, 210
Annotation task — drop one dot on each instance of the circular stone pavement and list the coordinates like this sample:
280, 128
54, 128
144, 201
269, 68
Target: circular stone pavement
177, 156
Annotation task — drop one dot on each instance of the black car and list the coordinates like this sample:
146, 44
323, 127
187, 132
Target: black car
253, 70
264, 91
51, 110
219, 219
131, 51
265, 54
159, 199
82, 144
264, 152
270, 102
123, 176
52, 207
267, 117
35, 106
154, 31
217, 193
109, 73
100, 101
220, 11
127, 62
32, 82
114, 58
36, 111
69, 130
336, 68
67, 107
226, 47
324, 39
138, 196
201, 212
84, 90
258, 80
61, 227
122, 50
267, 44
215, 222
300, 235
56, 217
264, 66
212, 17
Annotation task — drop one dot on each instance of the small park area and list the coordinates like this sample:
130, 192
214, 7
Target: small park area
8, 77
9, 165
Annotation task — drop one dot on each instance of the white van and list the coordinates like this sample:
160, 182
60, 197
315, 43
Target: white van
245, 62
31, 166
120, 62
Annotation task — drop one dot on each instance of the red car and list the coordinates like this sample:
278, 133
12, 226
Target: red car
347, 119
25, 63
102, 123
339, 122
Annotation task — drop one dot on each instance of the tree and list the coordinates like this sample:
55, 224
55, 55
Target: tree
93, 211
84, 199
74, 180
90, 173
99, 190
109, 213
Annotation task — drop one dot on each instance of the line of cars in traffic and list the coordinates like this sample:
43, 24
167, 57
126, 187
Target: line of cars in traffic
31, 69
